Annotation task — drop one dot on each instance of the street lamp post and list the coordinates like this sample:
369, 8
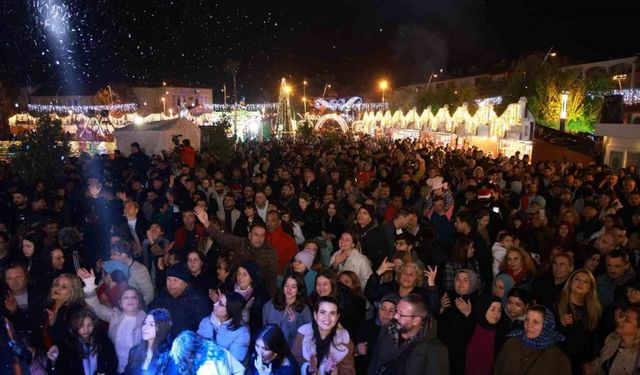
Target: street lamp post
563, 109
431, 76
304, 97
110, 95
383, 86
325, 89
620, 78
164, 106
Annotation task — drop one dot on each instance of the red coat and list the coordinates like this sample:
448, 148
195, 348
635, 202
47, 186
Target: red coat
188, 156
284, 245
181, 236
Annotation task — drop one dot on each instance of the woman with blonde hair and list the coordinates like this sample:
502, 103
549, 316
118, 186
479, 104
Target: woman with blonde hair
64, 297
408, 280
579, 311
619, 355
520, 266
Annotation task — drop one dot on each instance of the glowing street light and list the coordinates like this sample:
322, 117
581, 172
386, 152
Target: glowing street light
384, 85
304, 96
324, 92
563, 109
620, 78
433, 75
288, 89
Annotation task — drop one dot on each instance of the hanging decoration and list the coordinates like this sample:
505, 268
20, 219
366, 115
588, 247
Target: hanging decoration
64, 109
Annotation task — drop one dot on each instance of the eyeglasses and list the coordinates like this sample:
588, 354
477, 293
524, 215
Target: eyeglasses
405, 316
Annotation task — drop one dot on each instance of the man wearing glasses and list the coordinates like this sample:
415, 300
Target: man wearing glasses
409, 345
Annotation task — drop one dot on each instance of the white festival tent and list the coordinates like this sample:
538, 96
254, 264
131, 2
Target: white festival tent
156, 136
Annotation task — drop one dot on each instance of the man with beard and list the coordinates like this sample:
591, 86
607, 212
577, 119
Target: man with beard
408, 345
217, 197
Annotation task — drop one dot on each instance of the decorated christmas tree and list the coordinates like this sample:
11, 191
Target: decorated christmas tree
283, 118
41, 154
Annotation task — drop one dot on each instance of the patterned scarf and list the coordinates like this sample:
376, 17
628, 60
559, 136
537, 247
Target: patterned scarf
547, 337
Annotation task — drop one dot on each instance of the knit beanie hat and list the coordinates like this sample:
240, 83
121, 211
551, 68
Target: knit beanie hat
370, 209
179, 271
252, 269
306, 257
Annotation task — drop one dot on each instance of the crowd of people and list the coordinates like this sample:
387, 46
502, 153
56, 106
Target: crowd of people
321, 256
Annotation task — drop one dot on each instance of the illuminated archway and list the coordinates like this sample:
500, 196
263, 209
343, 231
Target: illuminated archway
332, 117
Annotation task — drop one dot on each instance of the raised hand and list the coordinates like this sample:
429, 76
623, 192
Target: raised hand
10, 303
430, 274
330, 364
168, 247
567, 319
445, 302
202, 215
291, 315
52, 317
53, 352
384, 267
122, 196
361, 348
340, 257
313, 363
214, 295
463, 306
84, 274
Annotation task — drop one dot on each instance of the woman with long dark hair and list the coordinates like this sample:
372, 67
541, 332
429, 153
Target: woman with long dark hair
288, 309
32, 255
272, 354
197, 271
249, 284
323, 346
55, 263
332, 225
226, 326
87, 350
462, 256
151, 355
352, 308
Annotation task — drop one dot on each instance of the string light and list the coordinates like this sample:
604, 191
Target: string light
348, 104
65, 109
494, 100
247, 107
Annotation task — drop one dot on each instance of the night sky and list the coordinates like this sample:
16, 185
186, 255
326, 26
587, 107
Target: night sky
79, 45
